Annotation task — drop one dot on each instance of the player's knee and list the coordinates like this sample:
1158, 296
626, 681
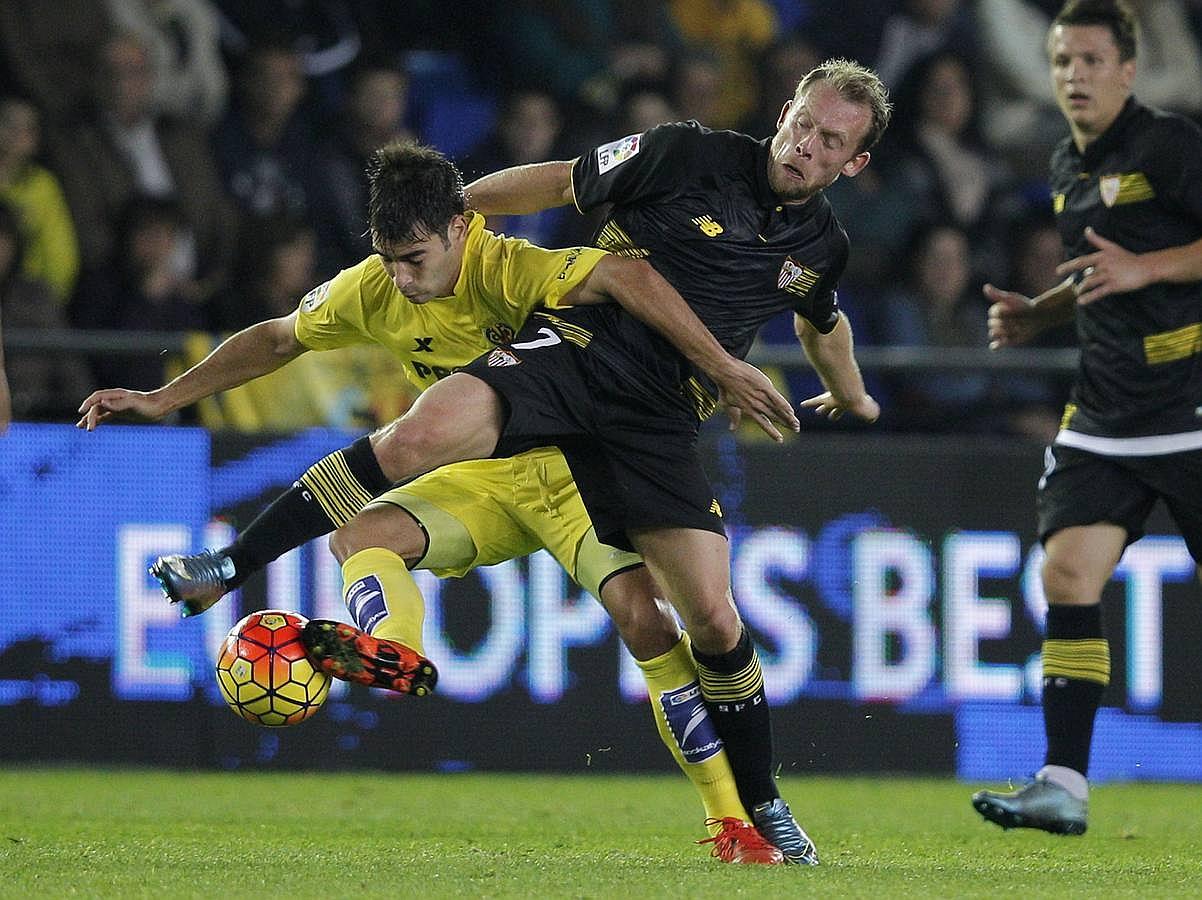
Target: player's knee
345, 542
405, 449
1066, 581
715, 629
647, 629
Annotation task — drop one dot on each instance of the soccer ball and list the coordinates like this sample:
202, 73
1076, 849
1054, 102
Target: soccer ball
263, 673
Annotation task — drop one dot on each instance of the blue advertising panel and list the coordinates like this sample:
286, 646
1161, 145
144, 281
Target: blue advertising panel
891, 583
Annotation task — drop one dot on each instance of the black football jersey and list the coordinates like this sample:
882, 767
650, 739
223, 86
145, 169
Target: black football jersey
697, 205
1139, 184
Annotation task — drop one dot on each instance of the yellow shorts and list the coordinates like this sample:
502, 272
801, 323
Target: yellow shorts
487, 511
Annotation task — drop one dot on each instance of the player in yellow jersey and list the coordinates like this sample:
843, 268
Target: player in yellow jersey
456, 292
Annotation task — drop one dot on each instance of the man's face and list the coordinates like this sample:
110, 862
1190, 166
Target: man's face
128, 80
426, 269
1090, 81
817, 140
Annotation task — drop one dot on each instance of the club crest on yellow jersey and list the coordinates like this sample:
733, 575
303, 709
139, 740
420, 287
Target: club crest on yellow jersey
499, 334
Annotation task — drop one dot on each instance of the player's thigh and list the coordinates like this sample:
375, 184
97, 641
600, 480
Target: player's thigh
1081, 488
465, 512
1178, 479
693, 568
458, 418
549, 506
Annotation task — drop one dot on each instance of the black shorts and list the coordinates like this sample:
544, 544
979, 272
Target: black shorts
629, 437
1082, 488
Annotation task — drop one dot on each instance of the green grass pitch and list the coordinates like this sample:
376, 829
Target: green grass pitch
130, 833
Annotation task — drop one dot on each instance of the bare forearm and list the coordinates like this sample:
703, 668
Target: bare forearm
645, 294
1175, 264
833, 359
522, 189
240, 358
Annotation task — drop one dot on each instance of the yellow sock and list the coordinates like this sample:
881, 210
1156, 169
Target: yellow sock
383, 598
680, 717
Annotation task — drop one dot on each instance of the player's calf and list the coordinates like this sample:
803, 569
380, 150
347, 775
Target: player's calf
345, 652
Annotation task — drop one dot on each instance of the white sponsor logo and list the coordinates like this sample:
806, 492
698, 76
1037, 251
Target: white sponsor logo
617, 152
703, 749
695, 719
315, 297
362, 601
549, 339
685, 696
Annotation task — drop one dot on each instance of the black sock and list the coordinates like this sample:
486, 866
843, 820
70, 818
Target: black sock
1076, 670
328, 495
733, 687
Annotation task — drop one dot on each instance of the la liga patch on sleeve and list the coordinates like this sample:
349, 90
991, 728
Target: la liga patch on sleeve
315, 297
617, 152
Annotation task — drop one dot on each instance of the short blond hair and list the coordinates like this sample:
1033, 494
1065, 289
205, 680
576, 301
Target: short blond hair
856, 84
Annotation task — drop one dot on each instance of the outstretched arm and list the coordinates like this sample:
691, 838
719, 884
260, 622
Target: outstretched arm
520, 190
647, 296
240, 358
833, 359
1015, 319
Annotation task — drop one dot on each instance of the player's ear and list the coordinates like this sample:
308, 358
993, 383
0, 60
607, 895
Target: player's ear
458, 227
784, 112
1127, 71
856, 164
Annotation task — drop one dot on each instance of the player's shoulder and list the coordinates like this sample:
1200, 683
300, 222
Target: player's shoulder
837, 242
1161, 124
718, 146
1065, 160
369, 274
366, 282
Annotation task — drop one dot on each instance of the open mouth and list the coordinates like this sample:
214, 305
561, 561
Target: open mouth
794, 172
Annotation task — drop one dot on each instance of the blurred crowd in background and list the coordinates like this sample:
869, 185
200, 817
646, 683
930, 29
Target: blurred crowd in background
197, 165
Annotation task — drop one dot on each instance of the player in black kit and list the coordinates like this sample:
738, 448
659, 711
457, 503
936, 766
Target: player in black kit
1127, 193
741, 229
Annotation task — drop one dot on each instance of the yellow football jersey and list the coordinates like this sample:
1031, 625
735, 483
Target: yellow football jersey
502, 280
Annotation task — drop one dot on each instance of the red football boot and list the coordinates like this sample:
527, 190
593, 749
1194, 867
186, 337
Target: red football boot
345, 652
739, 842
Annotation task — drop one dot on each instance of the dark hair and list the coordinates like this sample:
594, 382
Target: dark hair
907, 98
413, 193
1113, 14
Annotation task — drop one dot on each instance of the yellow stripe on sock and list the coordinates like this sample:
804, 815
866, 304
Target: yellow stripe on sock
335, 488
1085, 659
734, 687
